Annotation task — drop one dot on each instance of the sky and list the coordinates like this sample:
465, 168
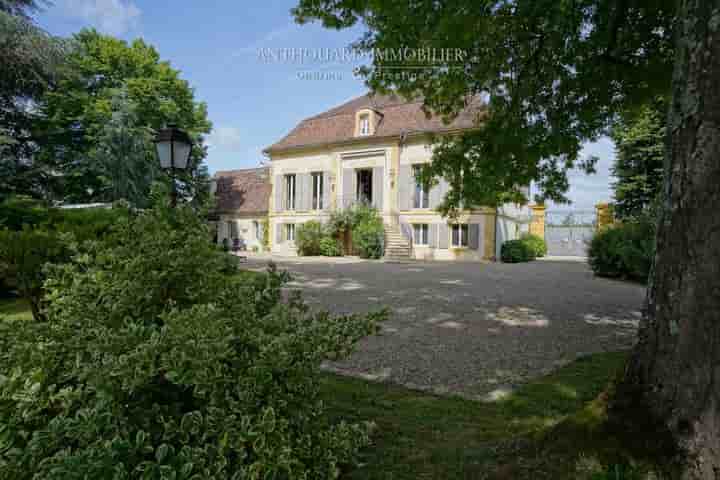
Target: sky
221, 47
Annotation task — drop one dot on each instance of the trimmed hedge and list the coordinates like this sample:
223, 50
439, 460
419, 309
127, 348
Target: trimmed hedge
516, 251
623, 251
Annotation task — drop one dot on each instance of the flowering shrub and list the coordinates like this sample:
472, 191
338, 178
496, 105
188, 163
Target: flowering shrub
155, 364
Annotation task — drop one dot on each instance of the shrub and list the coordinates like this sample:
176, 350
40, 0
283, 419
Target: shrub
367, 232
307, 237
536, 243
23, 256
18, 211
154, 364
516, 251
624, 250
330, 247
25, 252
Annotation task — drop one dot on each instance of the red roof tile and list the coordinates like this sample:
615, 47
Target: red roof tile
243, 191
397, 116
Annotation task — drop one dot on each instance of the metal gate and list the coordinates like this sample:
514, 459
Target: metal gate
568, 232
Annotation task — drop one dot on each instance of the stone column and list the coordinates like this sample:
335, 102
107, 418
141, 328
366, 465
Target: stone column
537, 223
604, 215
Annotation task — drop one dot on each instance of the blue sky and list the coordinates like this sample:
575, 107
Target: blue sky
251, 102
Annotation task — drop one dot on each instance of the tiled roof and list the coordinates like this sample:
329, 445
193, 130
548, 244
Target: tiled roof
243, 191
396, 116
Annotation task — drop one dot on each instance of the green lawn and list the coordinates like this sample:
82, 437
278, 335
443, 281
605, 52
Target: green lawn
543, 430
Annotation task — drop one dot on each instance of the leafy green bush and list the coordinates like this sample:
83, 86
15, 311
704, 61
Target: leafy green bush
25, 252
536, 243
330, 247
23, 256
516, 251
154, 364
307, 237
624, 250
18, 211
368, 232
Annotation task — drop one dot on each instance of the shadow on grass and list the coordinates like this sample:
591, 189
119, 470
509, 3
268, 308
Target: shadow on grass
550, 428
14, 309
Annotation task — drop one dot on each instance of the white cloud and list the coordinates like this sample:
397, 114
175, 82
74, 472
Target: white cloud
115, 17
225, 138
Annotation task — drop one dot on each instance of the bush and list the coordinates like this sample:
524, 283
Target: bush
516, 251
368, 232
154, 364
25, 252
23, 256
307, 238
624, 250
330, 247
536, 243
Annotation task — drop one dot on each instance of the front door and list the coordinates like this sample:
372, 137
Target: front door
364, 186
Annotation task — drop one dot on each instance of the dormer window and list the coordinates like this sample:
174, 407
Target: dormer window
364, 129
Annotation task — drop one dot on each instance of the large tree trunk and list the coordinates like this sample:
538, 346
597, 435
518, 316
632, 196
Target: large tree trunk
676, 364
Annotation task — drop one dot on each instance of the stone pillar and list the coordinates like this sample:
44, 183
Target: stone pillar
537, 223
604, 215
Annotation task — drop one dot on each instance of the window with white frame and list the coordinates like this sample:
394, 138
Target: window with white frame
317, 189
364, 125
290, 192
290, 232
460, 235
422, 196
420, 233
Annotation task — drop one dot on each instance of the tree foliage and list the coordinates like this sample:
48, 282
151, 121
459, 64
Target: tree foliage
552, 74
30, 60
77, 113
639, 138
155, 364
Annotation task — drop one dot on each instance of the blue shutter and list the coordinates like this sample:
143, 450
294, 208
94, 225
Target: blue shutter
279, 188
474, 236
404, 185
377, 187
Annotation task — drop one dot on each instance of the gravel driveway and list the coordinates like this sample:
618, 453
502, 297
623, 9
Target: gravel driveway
475, 329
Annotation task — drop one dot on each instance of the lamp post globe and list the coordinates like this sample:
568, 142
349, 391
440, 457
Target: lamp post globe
173, 147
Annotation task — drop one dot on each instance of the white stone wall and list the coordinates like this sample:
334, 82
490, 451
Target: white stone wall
245, 230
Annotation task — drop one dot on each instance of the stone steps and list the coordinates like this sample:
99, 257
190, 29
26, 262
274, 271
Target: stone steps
397, 247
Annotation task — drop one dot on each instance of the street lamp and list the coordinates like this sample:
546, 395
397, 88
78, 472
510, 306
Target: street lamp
173, 148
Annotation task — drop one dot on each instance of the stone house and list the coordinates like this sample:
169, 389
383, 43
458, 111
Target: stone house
367, 150
241, 209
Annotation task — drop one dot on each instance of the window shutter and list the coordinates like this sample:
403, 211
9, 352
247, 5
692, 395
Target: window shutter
377, 187
433, 235
300, 189
326, 191
443, 235
405, 185
279, 188
407, 231
348, 198
279, 228
474, 236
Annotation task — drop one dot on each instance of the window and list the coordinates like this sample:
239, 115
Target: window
290, 192
364, 125
420, 233
460, 235
422, 196
290, 232
317, 189
256, 229
232, 229
364, 186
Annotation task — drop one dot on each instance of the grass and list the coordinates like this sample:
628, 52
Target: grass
551, 428
423, 436
14, 309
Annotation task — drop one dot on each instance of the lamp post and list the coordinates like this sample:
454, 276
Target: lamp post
173, 148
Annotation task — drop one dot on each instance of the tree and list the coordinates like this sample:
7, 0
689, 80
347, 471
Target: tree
639, 155
30, 59
77, 111
125, 154
556, 73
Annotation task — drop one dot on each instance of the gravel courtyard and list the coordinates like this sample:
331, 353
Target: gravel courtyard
475, 329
